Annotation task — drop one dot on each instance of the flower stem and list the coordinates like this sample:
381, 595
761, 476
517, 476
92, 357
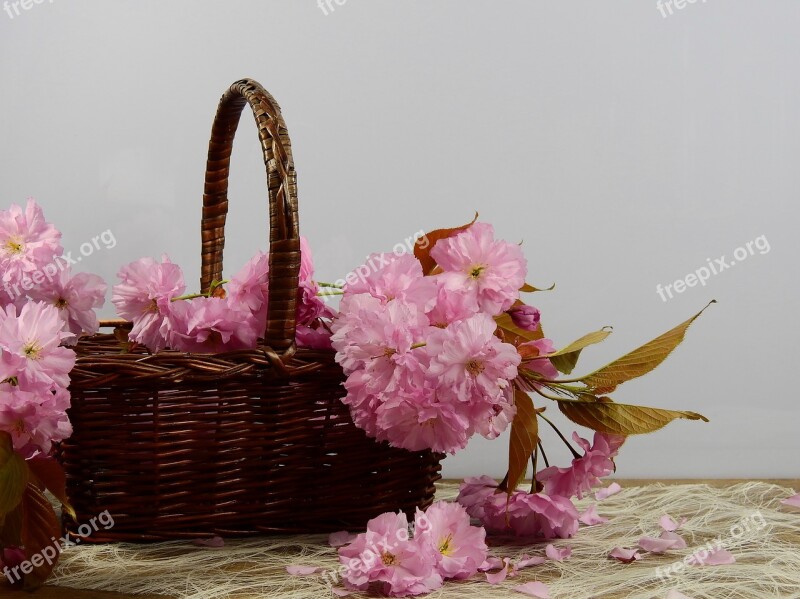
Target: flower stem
561, 436
331, 285
331, 292
188, 296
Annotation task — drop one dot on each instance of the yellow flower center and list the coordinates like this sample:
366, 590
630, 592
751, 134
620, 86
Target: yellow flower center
476, 270
14, 245
151, 307
61, 303
444, 547
475, 367
32, 350
388, 559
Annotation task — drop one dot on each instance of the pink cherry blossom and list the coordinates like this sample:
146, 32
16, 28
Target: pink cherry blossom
525, 317
492, 419
27, 242
145, 297
418, 419
469, 358
385, 557
310, 306
318, 337
31, 342
34, 418
76, 297
210, 325
452, 305
586, 471
525, 561
491, 270
393, 276
461, 546
249, 289
505, 572
522, 514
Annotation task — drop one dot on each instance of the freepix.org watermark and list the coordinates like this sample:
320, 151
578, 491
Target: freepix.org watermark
14, 8
104, 241
667, 7
328, 6
747, 526
50, 553
713, 268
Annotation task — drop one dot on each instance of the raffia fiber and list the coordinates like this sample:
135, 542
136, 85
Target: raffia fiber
768, 555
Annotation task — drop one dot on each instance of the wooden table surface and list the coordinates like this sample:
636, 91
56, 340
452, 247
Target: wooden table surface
50, 592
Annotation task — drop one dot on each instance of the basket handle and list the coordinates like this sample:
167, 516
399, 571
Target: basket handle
284, 237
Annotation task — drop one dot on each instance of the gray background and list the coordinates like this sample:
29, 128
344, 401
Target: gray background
623, 147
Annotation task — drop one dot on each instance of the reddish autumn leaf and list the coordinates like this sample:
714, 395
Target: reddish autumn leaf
424, 245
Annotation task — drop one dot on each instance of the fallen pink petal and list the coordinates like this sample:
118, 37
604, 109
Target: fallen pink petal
607, 492
626, 556
669, 524
213, 542
556, 554
341, 538
591, 518
720, 557
341, 592
500, 576
303, 570
491, 563
526, 561
534, 589
679, 542
654, 545
793, 501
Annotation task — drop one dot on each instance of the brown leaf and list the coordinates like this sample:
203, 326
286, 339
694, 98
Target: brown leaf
50, 473
527, 288
39, 527
606, 416
640, 361
566, 358
524, 437
423, 254
13, 475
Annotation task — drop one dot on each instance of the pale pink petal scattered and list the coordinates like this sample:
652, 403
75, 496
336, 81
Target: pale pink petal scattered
669, 524
500, 576
214, 542
625, 555
793, 502
591, 518
654, 545
679, 542
534, 589
526, 561
607, 492
720, 557
558, 554
491, 563
338, 539
340, 592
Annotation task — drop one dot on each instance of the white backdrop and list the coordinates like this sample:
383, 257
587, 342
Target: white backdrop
625, 145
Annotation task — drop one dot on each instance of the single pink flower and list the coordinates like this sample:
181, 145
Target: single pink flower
461, 546
586, 471
31, 341
470, 359
145, 297
492, 419
522, 514
28, 243
385, 557
491, 270
391, 276
525, 317
210, 325
34, 418
76, 297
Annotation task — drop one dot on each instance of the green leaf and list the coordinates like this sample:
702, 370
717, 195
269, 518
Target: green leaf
524, 437
640, 361
606, 416
50, 473
13, 475
566, 358
424, 245
39, 527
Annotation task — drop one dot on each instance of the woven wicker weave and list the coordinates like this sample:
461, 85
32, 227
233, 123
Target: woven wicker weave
179, 445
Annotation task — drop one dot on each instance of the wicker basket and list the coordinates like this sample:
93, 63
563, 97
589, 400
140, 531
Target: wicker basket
178, 445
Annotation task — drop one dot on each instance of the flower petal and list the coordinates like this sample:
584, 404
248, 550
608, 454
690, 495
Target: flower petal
720, 557
534, 589
680, 543
556, 554
591, 518
610, 490
793, 502
626, 556
654, 545
340, 592
338, 539
500, 576
215, 542
526, 561
491, 563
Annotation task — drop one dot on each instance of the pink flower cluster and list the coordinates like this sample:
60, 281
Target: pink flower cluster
424, 367
42, 307
389, 560
549, 513
151, 296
